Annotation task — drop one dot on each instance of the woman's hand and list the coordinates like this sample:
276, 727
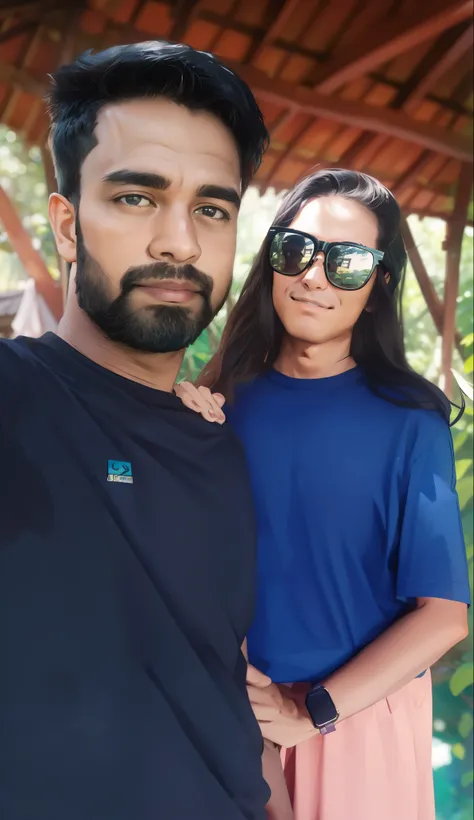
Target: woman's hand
201, 400
281, 713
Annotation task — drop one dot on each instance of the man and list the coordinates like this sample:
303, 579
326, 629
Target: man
127, 534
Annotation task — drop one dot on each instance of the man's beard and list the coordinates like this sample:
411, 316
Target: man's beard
154, 328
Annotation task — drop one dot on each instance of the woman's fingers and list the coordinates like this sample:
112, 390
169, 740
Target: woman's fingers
257, 678
213, 404
189, 395
201, 401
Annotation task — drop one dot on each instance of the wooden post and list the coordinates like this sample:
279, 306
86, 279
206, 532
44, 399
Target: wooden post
433, 302
454, 236
29, 256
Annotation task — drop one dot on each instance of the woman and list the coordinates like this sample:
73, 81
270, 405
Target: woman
362, 570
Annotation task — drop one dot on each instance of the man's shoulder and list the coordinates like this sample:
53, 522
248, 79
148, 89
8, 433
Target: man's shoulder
19, 364
21, 351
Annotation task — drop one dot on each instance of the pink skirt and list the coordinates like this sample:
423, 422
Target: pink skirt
375, 766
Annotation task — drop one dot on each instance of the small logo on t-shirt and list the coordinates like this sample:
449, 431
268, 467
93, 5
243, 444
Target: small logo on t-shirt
120, 471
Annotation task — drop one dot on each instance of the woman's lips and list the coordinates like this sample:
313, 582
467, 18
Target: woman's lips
311, 302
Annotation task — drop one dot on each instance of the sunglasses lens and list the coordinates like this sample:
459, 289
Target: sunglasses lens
290, 252
349, 268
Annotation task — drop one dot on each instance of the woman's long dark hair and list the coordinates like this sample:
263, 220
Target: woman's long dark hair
253, 335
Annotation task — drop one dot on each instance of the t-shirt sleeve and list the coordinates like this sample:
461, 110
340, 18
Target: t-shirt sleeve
432, 556
13, 381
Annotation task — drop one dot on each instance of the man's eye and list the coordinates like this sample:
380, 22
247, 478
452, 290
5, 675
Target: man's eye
212, 212
134, 200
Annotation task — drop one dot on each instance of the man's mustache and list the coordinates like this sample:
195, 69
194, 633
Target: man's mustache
158, 271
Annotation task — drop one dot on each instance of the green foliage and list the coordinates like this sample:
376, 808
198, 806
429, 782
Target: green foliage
22, 177
462, 678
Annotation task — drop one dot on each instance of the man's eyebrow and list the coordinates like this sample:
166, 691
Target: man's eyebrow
220, 192
145, 179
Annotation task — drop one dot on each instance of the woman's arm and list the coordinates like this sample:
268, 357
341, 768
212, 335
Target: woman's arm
400, 654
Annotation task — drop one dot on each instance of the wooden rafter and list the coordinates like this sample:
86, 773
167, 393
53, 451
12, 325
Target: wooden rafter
412, 173
287, 151
184, 12
453, 245
16, 31
429, 75
433, 302
29, 256
22, 79
19, 9
399, 36
425, 213
361, 115
283, 15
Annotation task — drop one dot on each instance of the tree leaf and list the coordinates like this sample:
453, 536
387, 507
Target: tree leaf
467, 779
462, 678
459, 438
462, 466
465, 725
469, 364
459, 751
464, 488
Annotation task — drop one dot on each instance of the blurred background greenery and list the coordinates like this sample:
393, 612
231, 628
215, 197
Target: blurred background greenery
21, 174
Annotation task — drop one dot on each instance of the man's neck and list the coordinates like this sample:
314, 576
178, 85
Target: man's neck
156, 370
301, 360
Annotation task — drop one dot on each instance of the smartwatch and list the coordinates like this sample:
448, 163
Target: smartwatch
321, 709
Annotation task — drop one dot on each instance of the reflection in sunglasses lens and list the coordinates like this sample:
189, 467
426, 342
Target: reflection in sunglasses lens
349, 267
290, 252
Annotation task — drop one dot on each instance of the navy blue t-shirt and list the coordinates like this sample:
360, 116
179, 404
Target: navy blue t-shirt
357, 517
127, 573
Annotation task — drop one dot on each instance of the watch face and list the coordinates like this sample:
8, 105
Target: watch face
321, 708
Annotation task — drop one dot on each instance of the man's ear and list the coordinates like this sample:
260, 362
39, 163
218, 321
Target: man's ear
62, 216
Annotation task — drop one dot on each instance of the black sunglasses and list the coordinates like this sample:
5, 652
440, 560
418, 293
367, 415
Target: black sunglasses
347, 265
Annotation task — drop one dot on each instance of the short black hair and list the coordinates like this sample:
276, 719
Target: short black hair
194, 79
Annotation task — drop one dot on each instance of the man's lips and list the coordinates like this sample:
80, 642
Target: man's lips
167, 290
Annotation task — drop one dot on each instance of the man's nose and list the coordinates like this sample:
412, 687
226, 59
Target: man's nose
175, 237
315, 277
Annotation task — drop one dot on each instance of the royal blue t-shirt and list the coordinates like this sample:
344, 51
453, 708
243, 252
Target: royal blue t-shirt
127, 574
357, 517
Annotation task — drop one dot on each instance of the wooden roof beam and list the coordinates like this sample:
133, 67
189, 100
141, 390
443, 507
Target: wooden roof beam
184, 12
22, 79
16, 31
360, 115
382, 44
411, 174
37, 8
454, 236
433, 302
32, 261
287, 9
453, 55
